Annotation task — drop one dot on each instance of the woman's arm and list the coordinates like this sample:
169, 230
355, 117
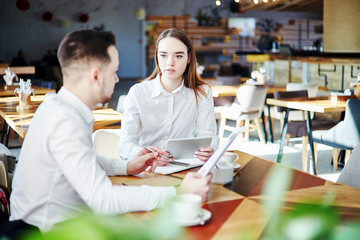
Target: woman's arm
206, 124
130, 127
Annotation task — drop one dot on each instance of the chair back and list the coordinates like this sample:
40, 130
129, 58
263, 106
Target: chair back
345, 134
290, 94
228, 80
251, 98
350, 173
3, 175
312, 88
120, 104
106, 142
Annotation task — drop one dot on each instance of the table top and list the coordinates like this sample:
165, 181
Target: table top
318, 104
20, 120
19, 70
6, 91
230, 91
224, 90
237, 208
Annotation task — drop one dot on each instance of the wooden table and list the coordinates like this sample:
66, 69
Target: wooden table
230, 91
237, 208
319, 104
19, 70
6, 91
20, 121
224, 90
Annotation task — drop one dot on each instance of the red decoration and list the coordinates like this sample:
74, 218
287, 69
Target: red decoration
23, 5
47, 16
84, 18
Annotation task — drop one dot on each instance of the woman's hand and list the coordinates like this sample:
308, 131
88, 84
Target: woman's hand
204, 153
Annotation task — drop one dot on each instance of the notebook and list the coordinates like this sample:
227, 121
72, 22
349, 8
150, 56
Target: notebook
183, 149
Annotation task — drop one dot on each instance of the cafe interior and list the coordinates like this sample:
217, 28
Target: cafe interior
291, 66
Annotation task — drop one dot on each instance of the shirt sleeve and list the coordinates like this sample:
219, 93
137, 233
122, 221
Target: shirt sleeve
205, 122
112, 166
71, 146
130, 127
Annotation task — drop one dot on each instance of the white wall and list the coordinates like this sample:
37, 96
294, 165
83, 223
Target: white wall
28, 32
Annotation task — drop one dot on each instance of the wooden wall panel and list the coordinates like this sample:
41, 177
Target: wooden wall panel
341, 28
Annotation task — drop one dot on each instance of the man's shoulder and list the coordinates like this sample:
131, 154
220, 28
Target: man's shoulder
54, 106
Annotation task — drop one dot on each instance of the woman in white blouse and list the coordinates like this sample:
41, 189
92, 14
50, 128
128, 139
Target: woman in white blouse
173, 102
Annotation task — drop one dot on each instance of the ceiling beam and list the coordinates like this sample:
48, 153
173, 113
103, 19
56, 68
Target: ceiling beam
283, 5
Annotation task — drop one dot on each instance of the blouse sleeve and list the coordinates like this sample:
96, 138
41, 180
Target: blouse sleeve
130, 127
205, 122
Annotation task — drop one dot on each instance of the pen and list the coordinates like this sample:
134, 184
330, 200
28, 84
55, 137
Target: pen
151, 150
171, 160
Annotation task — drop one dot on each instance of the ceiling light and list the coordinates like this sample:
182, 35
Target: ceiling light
218, 3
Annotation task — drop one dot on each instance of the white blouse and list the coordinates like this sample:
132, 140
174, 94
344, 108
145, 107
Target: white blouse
152, 116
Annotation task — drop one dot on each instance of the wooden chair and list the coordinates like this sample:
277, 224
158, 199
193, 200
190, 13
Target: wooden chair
8, 161
295, 115
345, 135
247, 108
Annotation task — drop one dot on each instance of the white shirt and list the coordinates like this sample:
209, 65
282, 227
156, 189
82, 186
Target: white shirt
59, 175
152, 116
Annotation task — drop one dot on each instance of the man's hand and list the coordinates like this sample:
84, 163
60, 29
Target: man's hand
142, 161
195, 184
161, 161
204, 153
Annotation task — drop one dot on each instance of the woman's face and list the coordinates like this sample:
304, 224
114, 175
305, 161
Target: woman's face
173, 59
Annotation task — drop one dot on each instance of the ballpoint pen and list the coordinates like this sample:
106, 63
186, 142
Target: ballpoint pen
171, 160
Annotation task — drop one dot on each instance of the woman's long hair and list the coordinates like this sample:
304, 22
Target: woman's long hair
191, 77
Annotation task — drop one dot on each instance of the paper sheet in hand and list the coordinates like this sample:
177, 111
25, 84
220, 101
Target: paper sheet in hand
207, 167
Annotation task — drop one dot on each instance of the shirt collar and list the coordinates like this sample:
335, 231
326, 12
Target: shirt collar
71, 99
158, 89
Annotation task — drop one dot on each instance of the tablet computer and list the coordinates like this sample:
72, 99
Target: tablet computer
182, 148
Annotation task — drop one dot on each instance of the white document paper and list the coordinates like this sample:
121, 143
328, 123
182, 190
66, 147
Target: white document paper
207, 167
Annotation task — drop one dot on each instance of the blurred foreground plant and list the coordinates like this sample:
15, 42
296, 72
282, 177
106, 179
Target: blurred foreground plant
305, 221
158, 225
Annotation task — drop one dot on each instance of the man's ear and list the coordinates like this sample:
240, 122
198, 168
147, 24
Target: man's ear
95, 75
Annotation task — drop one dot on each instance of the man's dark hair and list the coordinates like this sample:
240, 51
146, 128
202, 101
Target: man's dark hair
85, 45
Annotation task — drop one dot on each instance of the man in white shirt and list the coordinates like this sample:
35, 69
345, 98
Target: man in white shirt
59, 175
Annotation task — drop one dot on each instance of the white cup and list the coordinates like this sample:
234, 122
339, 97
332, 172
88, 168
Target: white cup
186, 207
223, 173
229, 157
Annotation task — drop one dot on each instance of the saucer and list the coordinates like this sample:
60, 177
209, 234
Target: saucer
236, 166
197, 220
